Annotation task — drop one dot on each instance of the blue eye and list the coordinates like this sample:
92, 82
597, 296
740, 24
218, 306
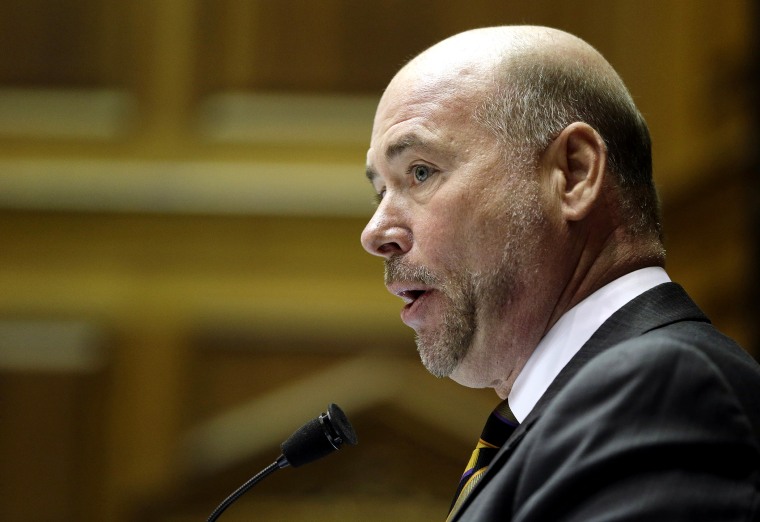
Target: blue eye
421, 173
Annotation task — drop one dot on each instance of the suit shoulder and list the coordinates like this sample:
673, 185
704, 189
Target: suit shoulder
669, 371
661, 356
648, 419
699, 345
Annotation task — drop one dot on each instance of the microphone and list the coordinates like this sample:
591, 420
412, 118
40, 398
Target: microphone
316, 439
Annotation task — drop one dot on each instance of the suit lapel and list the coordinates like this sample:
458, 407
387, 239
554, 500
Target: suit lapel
664, 304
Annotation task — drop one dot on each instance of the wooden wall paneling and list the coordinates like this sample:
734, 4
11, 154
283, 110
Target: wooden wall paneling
144, 421
54, 44
708, 251
753, 310
164, 73
39, 476
53, 375
227, 54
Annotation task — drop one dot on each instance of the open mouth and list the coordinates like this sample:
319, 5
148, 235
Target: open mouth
410, 296
414, 296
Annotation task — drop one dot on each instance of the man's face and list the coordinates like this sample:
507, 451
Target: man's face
460, 231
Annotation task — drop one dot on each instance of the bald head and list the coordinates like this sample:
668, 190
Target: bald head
526, 84
490, 57
488, 47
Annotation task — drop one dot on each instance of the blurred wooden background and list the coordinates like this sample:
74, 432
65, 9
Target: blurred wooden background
181, 280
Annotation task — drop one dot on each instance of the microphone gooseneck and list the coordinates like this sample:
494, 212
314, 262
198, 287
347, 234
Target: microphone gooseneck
315, 439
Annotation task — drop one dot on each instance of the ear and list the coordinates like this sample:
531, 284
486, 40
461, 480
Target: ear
577, 162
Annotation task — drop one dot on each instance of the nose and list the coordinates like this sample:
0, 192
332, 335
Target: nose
386, 234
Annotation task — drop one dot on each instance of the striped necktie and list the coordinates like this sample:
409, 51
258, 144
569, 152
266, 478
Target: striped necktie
499, 426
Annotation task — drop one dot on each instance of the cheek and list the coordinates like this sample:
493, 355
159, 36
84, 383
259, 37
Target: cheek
437, 239
443, 241
459, 229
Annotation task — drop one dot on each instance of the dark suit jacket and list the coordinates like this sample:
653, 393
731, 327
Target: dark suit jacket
657, 417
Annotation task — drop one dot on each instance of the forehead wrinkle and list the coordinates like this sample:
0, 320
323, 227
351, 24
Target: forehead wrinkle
406, 142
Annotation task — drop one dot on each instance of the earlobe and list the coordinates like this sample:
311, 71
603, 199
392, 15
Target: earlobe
579, 161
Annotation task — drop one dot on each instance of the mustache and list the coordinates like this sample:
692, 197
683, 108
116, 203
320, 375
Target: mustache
396, 269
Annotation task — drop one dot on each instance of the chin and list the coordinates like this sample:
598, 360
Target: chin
478, 372
467, 376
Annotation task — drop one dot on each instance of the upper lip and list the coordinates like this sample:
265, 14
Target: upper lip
409, 292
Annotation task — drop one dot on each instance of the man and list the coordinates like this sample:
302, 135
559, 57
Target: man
519, 223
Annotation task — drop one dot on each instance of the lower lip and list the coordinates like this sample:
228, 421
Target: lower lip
412, 314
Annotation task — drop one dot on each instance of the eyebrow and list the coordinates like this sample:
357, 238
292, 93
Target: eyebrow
407, 141
398, 147
371, 174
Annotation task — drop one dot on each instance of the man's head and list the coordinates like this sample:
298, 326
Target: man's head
514, 178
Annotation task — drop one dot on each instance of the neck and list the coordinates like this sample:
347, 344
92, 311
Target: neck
598, 263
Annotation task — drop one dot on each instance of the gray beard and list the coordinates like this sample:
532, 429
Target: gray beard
442, 349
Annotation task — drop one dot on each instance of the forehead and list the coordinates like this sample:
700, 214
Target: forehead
417, 88
421, 112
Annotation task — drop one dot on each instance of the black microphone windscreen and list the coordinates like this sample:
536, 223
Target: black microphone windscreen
341, 425
306, 444
318, 437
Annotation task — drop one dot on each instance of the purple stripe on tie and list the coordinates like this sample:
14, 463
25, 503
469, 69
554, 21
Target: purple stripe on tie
504, 419
467, 474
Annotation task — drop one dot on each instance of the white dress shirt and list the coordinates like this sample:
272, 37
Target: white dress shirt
571, 332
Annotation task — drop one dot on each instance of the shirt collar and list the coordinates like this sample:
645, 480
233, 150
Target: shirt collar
571, 332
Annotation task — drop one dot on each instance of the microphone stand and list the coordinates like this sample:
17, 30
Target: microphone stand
280, 463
